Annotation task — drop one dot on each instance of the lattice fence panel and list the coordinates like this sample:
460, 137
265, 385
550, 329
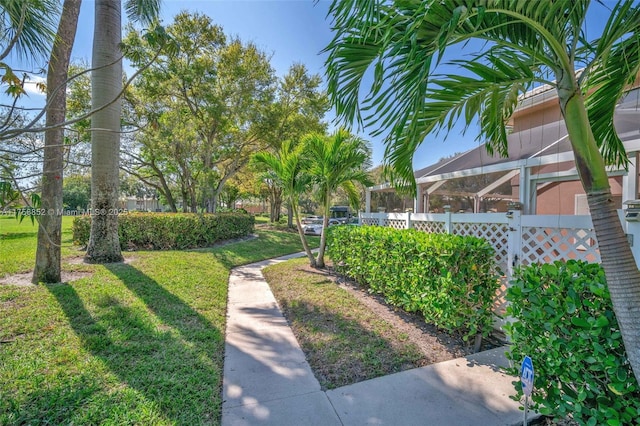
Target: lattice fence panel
429, 227
496, 234
546, 245
369, 221
395, 223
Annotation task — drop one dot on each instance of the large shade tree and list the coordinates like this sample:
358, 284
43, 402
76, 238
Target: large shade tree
526, 43
199, 107
298, 108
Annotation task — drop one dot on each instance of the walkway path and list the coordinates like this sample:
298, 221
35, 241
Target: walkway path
267, 380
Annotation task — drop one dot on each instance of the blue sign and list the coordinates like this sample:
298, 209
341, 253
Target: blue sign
526, 376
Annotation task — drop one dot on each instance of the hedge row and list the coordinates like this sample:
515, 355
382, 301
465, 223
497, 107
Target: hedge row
564, 320
452, 280
165, 231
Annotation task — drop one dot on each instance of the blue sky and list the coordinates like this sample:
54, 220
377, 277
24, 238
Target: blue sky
291, 31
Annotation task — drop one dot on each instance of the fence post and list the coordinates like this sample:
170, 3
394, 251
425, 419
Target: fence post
514, 241
447, 220
381, 219
408, 222
632, 229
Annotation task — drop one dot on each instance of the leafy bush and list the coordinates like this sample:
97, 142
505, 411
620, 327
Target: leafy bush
564, 320
450, 279
164, 231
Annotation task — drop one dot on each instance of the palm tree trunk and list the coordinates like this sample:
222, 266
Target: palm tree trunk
47, 268
621, 271
277, 204
303, 239
290, 214
106, 84
325, 228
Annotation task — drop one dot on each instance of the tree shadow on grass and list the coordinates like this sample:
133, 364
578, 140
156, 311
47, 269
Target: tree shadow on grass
17, 235
342, 351
175, 366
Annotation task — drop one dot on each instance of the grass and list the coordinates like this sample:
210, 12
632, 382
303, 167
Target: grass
345, 342
261, 219
18, 244
134, 343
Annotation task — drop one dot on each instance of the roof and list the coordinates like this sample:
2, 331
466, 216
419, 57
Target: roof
547, 139
540, 142
546, 144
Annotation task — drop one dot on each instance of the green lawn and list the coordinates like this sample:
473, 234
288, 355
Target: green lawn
18, 244
345, 341
134, 343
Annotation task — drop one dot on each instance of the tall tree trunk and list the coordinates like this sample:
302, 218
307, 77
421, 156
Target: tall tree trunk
167, 194
621, 271
290, 215
185, 200
303, 239
194, 199
47, 268
325, 228
275, 204
272, 208
106, 84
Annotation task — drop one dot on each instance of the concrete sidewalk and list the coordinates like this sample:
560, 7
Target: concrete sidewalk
267, 380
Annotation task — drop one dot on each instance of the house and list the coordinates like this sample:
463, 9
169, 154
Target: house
144, 204
539, 171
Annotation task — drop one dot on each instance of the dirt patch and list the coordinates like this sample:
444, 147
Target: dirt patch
24, 279
79, 260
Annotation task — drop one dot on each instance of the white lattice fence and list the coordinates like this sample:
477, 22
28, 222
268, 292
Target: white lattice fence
373, 219
429, 227
535, 238
395, 223
496, 234
517, 239
546, 245
369, 221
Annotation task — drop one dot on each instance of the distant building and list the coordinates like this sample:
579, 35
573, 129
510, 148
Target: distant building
143, 204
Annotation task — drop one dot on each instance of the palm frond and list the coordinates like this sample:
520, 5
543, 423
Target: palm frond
144, 11
28, 27
615, 68
404, 45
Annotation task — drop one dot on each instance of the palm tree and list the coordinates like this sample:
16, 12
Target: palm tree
28, 28
337, 161
526, 44
287, 167
47, 268
106, 85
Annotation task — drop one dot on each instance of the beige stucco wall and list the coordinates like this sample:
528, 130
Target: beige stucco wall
560, 198
543, 113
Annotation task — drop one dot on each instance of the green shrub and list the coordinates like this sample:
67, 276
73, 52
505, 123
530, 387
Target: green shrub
81, 228
165, 231
564, 320
450, 279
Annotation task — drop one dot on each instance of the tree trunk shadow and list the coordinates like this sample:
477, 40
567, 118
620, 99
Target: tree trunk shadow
172, 357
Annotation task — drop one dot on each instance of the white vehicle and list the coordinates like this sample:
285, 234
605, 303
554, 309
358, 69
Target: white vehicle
313, 227
311, 219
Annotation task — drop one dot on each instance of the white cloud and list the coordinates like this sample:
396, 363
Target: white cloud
31, 85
